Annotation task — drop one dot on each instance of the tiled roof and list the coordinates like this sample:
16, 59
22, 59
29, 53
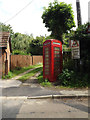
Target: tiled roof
4, 39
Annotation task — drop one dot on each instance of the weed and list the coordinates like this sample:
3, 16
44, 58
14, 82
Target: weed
8, 76
43, 82
46, 83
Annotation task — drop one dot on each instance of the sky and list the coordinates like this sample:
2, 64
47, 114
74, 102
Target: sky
29, 20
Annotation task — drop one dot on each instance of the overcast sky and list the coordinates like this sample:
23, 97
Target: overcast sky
29, 20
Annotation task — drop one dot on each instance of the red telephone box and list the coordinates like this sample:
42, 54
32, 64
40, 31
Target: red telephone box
52, 59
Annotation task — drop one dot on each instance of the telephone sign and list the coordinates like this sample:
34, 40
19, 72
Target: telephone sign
52, 59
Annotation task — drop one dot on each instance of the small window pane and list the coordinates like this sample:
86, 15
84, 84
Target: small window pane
56, 48
46, 55
56, 51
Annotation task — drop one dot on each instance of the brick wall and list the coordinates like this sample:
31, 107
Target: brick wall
24, 60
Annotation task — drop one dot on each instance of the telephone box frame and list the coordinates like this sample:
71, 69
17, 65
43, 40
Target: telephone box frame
52, 59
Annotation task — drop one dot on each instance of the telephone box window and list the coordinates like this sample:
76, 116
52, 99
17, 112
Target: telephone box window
47, 61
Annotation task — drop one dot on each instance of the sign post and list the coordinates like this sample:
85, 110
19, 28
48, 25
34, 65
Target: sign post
75, 47
75, 51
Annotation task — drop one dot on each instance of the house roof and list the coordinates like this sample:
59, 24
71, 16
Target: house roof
4, 39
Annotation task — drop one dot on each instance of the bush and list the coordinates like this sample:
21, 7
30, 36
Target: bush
36, 46
74, 79
68, 64
65, 77
19, 52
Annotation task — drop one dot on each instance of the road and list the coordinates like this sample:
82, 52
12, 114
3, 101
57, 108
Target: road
15, 102
31, 90
22, 107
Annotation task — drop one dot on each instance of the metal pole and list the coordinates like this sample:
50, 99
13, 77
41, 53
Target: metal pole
89, 11
79, 22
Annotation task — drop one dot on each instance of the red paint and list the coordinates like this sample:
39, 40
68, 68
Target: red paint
52, 59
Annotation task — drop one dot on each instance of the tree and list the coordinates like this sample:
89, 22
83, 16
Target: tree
36, 46
81, 32
58, 18
21, 42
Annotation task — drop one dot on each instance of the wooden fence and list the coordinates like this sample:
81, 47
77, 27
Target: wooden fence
24, 60
27, 60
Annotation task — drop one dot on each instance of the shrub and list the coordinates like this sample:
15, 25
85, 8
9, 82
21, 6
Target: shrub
68, 64
74, 79
65, 77
19, 52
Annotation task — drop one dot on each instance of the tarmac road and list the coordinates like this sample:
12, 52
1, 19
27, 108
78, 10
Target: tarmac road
17, 104
28, 91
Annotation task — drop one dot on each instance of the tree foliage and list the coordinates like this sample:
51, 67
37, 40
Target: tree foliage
21, 41
36, 46
81, 32
84, 38
58, 18
25, 44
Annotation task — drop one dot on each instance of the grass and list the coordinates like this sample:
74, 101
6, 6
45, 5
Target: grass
30, 74
19, 70
43, 82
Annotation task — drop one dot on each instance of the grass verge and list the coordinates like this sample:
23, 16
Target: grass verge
30, 74
19, 70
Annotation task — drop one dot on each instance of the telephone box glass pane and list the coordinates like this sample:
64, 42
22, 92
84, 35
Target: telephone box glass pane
57, 48
56, 60
47, 61
46, 55
46, 52
57, 52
